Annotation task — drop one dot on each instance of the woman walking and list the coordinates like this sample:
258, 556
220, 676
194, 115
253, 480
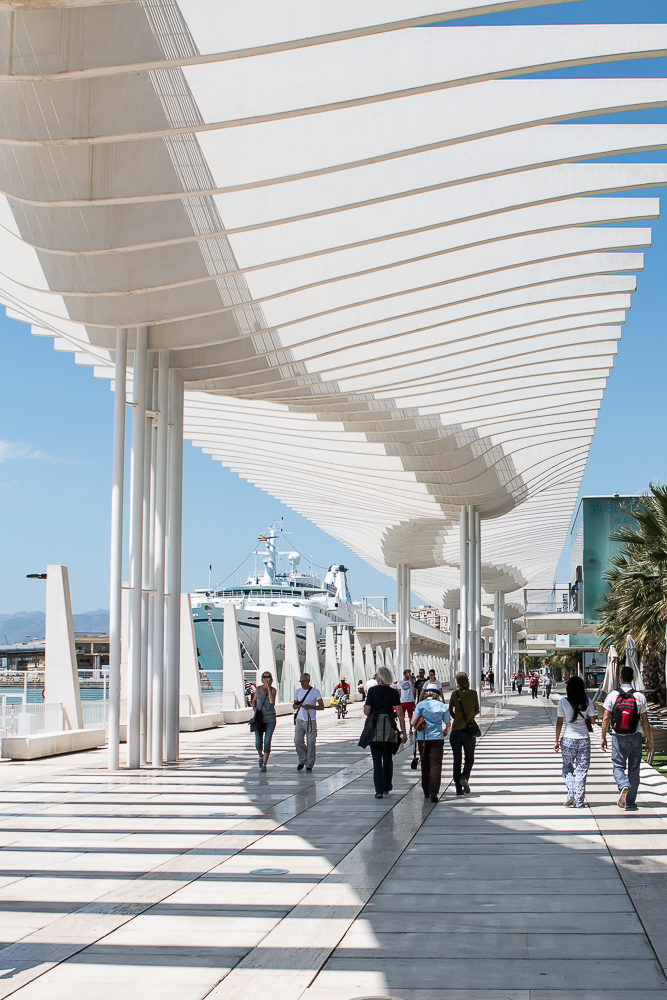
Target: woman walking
463, 707
382, 702
574, 712
430, 738
264, 702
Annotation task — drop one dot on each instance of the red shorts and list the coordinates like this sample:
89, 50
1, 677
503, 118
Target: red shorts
409, 707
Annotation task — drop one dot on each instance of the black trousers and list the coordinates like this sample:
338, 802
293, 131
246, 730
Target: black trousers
534, 691
431, 752
462, 743
383, 767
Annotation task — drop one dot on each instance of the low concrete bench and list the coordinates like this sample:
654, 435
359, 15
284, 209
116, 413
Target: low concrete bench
48, 744
194, 723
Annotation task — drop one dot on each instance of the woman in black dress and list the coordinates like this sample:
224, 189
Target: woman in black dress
382, 702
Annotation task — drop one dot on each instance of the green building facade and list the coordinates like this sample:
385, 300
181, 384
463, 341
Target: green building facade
592, 548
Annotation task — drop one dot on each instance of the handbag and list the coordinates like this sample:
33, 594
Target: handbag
257, 724
472, 728
367, 733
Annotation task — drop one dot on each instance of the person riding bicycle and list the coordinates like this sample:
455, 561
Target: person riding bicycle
341, 696
342, 689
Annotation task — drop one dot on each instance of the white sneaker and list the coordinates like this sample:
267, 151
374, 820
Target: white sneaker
569, 802
622, 797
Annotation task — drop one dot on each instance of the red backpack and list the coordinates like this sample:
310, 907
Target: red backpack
625, 714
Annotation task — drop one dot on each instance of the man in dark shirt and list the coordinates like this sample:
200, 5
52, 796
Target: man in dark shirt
419, 683
463, 707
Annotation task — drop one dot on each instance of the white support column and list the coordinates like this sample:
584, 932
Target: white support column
312, 665
146, 560
359, 669
501, 637
330, 678
267, 656
389, 660
233, 685
291, 662
477, 616
497, 640
136, 542
189, 683
346, 667
369, 661
402, 619
470, 613
173, 549
162, 441
379, 657
116, 563
464, 665
453, 644
61, 677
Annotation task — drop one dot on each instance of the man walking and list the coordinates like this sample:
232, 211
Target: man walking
624, 710
307, 702
548, 684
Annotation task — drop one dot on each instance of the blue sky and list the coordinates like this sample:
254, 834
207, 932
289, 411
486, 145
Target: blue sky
56, 419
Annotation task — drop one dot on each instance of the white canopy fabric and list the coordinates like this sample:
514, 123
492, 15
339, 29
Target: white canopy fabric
383, 265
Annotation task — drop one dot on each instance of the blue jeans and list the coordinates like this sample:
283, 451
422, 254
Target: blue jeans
266, 736
626, 754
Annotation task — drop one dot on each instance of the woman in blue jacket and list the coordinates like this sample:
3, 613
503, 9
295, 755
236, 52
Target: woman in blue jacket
431, 738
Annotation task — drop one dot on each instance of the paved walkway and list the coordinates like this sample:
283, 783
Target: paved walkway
145, 887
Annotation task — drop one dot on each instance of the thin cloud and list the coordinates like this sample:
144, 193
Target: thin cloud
12, 450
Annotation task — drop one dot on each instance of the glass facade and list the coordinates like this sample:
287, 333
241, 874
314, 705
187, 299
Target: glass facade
592, 548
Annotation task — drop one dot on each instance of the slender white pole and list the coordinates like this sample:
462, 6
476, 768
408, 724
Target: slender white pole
463, 595
175, 501
497, 641
145, 560
116, 568
149, 575
402, 619
472, 587
136, 540
477, 620
157, 740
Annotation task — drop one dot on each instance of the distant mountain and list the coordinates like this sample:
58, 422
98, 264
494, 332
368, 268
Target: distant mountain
26, 625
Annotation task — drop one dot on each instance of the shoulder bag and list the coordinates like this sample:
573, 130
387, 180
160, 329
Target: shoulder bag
302, 703
471, 727
257, 724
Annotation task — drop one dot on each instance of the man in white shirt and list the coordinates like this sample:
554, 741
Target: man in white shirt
432, 679
626, 748
307, 702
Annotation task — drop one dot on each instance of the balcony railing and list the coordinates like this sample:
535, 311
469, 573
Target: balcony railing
559, 600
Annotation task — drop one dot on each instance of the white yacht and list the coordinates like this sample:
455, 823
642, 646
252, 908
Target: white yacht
282, 593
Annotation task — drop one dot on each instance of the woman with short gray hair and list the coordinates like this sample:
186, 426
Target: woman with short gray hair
382, 702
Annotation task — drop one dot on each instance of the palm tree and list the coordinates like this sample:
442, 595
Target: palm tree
637, 600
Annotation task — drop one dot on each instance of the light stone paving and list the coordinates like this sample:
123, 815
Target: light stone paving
141, 886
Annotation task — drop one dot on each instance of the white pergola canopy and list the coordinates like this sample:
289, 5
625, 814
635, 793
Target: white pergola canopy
384, 267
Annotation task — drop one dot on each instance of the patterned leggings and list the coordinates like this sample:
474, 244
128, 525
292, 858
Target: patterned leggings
576, 761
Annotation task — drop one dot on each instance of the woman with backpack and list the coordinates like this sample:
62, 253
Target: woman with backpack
574, 715
382, 701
